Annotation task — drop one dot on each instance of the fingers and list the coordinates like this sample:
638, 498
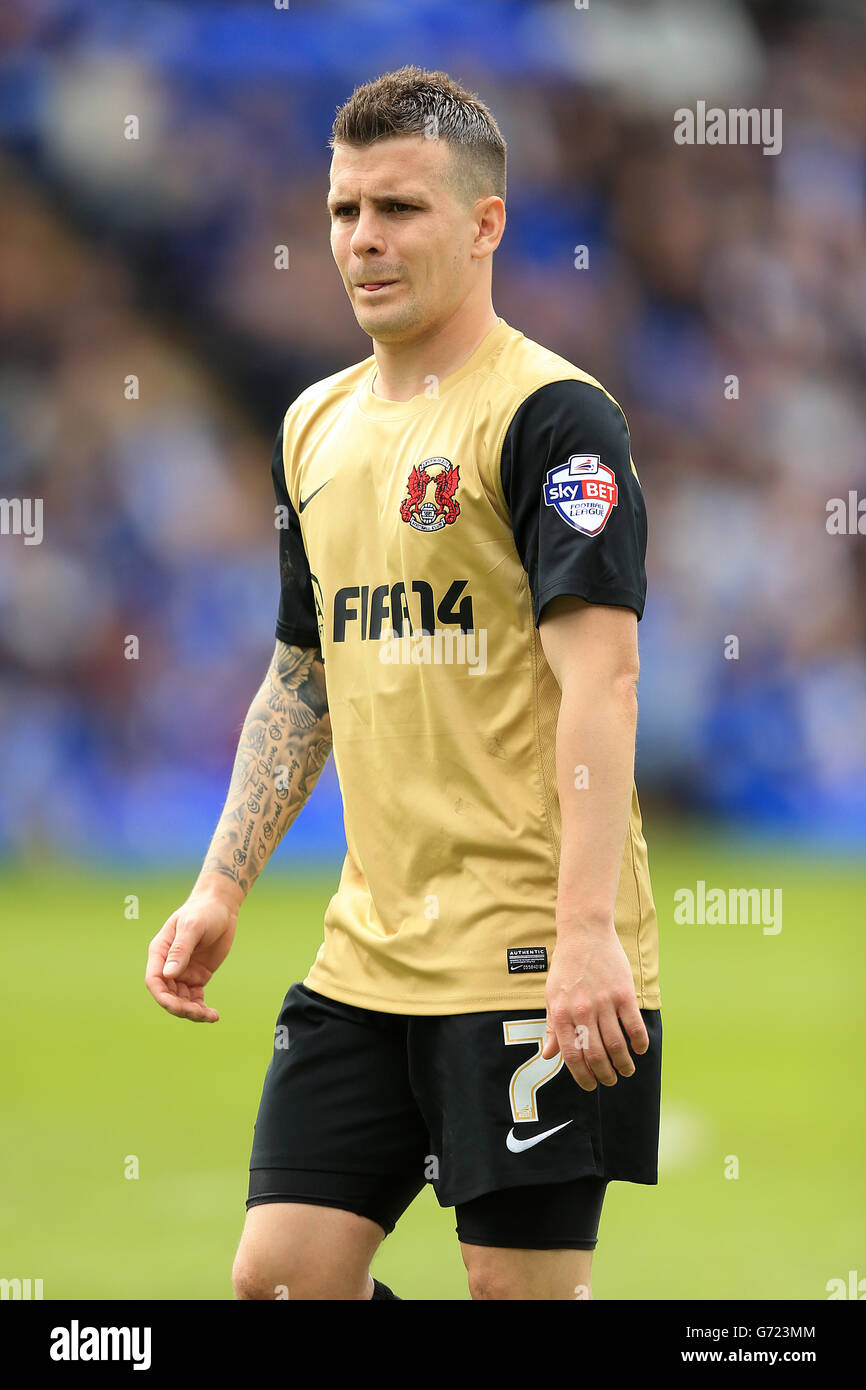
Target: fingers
178, 997
189, 1003
615, 1045
635, 1027
576, 1056
551, 1042
184, 1001
564, 1036
156, 954
182, 947
183, 1006
596, 1050
589, 1045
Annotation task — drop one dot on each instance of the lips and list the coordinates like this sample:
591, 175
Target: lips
372, 286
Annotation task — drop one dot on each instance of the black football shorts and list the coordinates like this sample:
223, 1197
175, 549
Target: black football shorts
361, 1109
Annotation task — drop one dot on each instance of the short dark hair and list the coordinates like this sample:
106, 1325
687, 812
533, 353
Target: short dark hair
412, 101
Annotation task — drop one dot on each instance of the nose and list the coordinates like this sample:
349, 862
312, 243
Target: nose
367, 236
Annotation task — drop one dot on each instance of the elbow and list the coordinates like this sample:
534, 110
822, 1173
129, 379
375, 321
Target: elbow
624, 692
625, 681
617, 683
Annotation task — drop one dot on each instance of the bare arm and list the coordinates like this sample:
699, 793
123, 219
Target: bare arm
284, 744
592, 651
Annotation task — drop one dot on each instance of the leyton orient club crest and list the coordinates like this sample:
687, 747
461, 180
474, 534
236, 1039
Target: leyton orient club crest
422, 511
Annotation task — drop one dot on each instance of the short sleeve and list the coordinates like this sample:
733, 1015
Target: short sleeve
296, 619
576, 505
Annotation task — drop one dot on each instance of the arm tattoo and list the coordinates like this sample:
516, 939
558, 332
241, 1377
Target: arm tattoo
284, 745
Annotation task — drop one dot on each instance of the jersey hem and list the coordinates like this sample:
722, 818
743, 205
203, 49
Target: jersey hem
488, 1003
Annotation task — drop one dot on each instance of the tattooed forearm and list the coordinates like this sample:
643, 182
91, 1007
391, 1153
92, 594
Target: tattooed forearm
284, 745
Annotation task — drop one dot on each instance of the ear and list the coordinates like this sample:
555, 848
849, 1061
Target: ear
489, 215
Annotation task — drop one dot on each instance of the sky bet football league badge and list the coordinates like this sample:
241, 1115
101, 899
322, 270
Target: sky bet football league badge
583, 491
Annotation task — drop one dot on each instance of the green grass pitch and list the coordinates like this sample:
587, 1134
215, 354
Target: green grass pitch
762, 1064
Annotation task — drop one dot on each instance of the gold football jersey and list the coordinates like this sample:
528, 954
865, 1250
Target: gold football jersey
424, 538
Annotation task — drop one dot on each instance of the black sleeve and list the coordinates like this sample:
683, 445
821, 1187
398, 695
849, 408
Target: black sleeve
296, 620
577, 509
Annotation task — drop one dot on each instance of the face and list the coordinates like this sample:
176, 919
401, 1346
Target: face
395, 217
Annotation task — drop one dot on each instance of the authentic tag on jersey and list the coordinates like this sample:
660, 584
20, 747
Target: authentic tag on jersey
526, 958
583, 490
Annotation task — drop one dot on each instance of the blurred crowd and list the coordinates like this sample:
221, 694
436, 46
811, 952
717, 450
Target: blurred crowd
149, 348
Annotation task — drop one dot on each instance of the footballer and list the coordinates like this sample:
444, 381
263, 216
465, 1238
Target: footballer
483, 1013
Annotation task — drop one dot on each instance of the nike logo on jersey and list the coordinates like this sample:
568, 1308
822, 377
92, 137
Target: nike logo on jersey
518, 1145
302, 501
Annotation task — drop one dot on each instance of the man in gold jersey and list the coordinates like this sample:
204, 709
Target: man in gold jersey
462, 551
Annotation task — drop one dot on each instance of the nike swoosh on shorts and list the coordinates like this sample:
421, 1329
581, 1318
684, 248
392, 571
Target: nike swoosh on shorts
518, 1145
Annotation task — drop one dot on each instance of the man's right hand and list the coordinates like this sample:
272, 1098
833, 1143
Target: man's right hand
182, 956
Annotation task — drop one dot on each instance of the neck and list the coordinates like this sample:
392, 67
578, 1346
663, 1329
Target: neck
403, 370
